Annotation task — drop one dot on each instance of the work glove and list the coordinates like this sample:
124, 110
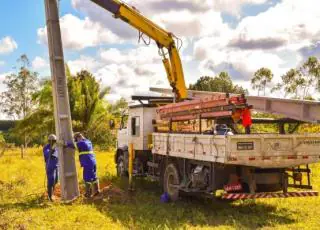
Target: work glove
69, 144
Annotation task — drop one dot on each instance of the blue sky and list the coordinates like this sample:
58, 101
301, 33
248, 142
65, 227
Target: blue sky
21, 22
29, 17
231, 35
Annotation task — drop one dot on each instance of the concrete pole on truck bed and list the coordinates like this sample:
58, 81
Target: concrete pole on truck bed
62, 114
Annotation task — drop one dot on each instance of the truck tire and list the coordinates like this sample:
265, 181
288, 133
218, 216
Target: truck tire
171, 181
121, 167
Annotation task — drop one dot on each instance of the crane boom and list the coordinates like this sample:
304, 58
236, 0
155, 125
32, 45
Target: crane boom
164, 39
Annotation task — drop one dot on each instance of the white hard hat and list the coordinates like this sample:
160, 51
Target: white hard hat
52, 137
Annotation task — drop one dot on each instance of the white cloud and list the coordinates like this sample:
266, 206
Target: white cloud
2, 63
290, 24
112, 56
126, 71
233, 7
113, 97
78, 34
151, 7
2, 78
39, 63
7, 45
182, 17
270, 39
240, 65
266, 40
191, 24
105, 19
84, 62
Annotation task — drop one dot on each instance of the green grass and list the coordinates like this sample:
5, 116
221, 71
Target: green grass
22, 205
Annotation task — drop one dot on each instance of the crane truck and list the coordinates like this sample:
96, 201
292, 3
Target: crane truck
173, 139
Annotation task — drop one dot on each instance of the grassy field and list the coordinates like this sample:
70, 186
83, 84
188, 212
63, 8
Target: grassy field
23, 205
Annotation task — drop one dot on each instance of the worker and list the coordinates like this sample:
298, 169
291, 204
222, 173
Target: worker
88, 163
246, 119
50, 154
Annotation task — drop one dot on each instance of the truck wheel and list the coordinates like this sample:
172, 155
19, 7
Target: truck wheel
171, 181
121, 168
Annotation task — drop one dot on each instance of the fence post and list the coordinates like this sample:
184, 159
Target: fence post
22, 151
131, 160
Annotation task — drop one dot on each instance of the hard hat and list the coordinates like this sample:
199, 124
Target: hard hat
52, 137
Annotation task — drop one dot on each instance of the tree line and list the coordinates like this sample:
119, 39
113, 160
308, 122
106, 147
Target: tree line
28, 99
298, 83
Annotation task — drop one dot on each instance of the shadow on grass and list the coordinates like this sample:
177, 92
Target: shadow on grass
145, 211
29, 202
15, 199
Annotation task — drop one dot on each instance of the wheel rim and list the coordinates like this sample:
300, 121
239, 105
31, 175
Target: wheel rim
171, 184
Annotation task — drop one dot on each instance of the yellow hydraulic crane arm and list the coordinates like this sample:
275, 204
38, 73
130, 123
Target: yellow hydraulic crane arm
163, 39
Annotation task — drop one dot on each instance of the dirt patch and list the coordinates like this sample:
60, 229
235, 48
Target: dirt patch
108, 193
112, 194
57, 191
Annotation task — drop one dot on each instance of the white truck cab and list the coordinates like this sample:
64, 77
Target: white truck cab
139, 127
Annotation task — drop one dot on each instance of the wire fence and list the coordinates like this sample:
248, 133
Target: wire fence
13, 151
8, 150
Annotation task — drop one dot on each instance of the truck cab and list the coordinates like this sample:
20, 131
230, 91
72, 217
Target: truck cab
138, 132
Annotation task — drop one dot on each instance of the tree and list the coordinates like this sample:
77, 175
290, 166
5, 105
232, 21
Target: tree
291, 82
40, 122
220, 83
17, 100
89, 111
86, 99
119, 107
2, 140
310, 71
119, 110
299, 82
261, 78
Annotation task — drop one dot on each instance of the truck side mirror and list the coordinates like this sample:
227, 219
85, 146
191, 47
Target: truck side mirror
111, 124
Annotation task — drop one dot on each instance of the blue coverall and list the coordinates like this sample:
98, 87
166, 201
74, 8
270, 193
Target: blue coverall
87, 160
51, 159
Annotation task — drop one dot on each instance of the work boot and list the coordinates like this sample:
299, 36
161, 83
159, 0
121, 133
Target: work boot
88, 190
95, 188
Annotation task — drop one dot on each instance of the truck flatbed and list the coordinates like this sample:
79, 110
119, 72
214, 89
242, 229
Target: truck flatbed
256, 150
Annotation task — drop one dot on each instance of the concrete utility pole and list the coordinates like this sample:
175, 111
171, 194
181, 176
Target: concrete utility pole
62, 115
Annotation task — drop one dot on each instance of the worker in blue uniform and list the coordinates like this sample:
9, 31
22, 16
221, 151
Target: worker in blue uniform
88, 163
50, 154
